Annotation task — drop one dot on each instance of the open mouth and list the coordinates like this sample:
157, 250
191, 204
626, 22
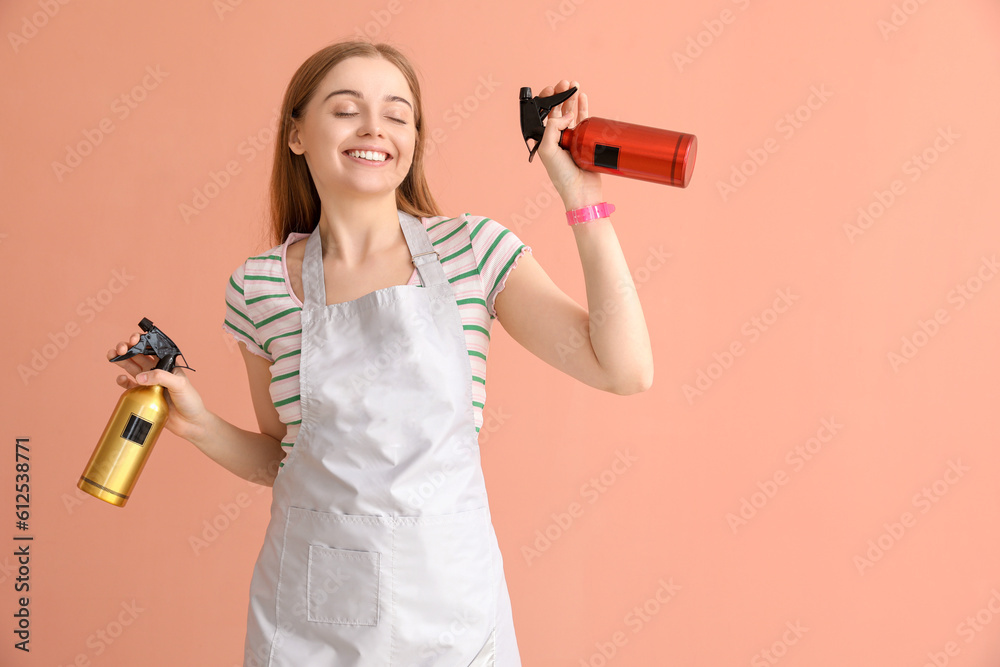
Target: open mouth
371, 157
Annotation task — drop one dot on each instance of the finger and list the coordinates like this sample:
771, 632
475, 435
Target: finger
136, 364
172, 381
584, 111
554, 128
126, 382
567, 105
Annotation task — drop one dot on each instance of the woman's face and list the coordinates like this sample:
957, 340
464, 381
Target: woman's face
361, 104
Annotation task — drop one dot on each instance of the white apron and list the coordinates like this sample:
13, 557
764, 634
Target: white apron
380, 549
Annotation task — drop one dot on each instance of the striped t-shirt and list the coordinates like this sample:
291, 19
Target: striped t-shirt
262, 312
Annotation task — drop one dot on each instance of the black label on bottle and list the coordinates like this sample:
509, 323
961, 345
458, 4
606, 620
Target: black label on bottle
136, 429
606, 156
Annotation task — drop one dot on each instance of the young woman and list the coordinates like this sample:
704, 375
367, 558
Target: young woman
365, 331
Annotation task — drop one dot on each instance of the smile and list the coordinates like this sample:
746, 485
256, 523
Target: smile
368, 156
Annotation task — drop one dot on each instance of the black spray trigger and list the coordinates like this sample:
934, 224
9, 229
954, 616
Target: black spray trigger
533, 112
156, 343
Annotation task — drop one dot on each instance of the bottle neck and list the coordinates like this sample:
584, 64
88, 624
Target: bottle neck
166, 363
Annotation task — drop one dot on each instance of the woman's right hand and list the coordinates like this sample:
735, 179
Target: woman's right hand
188, 416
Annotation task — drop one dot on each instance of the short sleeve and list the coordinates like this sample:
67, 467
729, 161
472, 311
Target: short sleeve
237, 321
497, 250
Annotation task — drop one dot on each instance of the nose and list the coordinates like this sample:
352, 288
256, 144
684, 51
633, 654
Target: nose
371, 123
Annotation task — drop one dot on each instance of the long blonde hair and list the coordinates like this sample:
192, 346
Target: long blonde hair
295, 203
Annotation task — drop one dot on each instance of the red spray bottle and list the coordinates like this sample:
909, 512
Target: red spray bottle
613, 147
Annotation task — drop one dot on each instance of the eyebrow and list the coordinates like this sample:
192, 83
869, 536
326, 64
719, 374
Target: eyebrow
387, 98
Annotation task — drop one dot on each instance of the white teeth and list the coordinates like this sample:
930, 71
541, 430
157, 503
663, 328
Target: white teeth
369, 155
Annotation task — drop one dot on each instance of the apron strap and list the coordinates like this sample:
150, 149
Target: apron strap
422, 253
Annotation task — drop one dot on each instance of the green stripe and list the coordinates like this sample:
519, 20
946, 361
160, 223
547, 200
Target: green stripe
438, 224
284, 377
463, 276
477, 353
268, 342
289, 354
267, 257
457, 253
235, 286
287, 401
476, 327
239, 331
472, 299
278, 316
297, 421
476, 229
267, 278
479, 379
479, 405
238, 311
266, 296
288, 444
503, 271
493, 247
447, 236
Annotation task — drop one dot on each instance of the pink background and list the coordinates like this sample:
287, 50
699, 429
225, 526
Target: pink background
658, 567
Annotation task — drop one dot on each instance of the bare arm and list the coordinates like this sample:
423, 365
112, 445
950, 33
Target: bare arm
252, 456
606, 347
607, 344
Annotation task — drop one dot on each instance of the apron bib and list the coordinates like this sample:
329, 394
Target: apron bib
380, 549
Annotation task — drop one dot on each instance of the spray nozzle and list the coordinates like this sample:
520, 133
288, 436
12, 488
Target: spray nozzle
157, 343
533, 112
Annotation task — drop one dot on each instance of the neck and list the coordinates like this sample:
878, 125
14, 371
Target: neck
357, 228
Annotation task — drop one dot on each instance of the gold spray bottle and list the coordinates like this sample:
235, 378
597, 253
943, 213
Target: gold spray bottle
135, 424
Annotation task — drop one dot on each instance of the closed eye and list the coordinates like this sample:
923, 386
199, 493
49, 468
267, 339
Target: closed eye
341, 113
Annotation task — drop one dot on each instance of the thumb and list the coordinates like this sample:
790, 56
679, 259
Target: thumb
554, 126
160, 377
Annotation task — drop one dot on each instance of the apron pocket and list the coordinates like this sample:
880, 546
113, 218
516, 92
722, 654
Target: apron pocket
334, 588
342, 586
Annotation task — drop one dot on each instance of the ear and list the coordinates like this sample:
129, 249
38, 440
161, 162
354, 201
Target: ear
293, 140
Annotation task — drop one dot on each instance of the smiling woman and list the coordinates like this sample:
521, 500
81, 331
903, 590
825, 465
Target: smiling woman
365, 332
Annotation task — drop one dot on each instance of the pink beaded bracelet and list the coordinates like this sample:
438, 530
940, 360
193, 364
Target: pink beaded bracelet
587, 213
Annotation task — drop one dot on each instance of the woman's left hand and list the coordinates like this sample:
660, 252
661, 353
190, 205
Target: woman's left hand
576, 186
